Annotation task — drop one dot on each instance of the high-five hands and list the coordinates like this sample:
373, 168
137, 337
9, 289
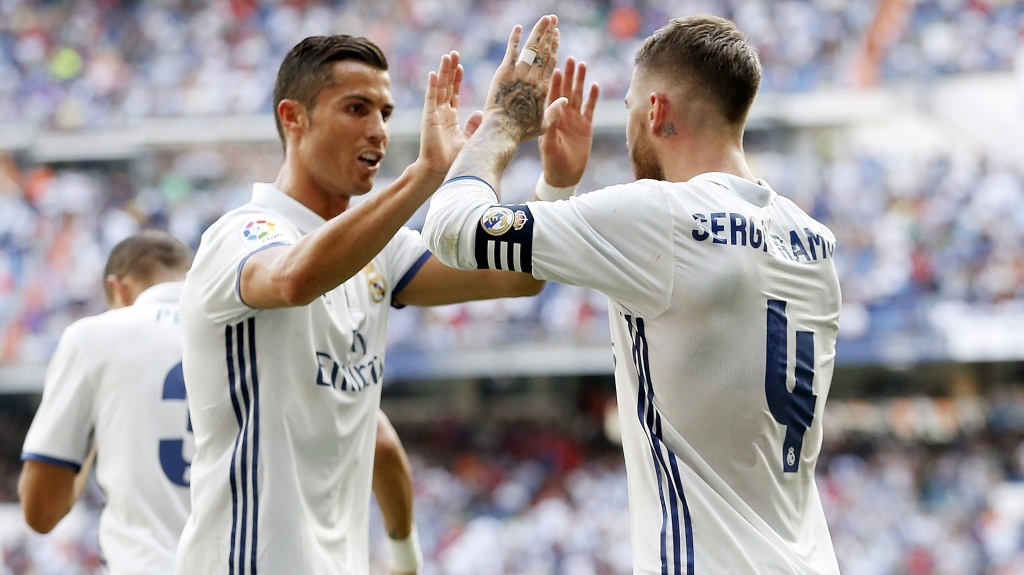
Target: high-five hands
441, 138
519, 90
565, 144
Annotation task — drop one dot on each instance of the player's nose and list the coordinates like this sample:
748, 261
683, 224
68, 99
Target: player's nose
377, 130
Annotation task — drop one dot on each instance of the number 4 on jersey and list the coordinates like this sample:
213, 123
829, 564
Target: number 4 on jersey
794, 409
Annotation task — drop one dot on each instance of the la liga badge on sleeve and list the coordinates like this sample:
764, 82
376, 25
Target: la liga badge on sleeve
259, 232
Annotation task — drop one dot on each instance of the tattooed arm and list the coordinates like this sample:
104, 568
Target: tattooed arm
515, 109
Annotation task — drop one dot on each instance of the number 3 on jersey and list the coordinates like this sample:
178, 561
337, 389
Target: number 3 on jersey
172, 459
794, 409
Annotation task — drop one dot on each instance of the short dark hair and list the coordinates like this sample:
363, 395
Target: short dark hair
143, 254
713, 54
306, 70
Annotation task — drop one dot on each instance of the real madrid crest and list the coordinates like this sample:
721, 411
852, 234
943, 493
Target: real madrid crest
497, 220
375, 281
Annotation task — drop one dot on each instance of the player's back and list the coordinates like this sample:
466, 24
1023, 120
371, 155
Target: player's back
721, 402
119, 375
724, 308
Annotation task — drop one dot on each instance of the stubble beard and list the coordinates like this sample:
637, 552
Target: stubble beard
644, 159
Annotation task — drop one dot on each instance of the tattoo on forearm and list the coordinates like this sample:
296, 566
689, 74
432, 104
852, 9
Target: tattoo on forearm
670, 130
486, 156
523, 103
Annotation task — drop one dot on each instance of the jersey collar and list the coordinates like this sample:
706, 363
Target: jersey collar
759, 194
299, 215
167, 292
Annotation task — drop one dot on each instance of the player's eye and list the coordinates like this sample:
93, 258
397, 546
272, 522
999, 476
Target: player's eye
357, 109
386, 114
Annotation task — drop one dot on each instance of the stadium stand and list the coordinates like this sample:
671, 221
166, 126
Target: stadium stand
88, 64
912, 231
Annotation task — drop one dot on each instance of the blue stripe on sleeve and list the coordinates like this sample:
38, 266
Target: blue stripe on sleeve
411, 273
26, 456
457, 178
241, 264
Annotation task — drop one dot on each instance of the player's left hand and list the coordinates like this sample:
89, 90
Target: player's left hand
565, 144
518, 92
441, 137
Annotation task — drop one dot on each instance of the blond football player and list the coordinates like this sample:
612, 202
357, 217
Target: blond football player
723, 296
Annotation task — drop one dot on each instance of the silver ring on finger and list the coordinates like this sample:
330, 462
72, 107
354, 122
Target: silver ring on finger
529, 56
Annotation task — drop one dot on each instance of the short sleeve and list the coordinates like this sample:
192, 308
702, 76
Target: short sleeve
225, 247
405, 255
61, 431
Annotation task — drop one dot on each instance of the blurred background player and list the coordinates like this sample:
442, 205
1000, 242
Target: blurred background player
285, 316
109, 390
115, 383
724, 299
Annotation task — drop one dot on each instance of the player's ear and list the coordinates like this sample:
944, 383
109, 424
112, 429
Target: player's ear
292, 115
120, 293
656, 116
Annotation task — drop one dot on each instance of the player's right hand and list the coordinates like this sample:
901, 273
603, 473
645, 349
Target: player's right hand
519, 90
441, 137
565, 144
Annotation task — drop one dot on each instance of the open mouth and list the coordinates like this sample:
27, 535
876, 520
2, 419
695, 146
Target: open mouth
371, 159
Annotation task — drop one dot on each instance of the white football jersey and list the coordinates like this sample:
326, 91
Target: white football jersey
115, 380
284, 402
724, 308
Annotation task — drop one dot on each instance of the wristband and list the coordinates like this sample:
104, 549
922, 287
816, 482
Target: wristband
548, 193
405, 554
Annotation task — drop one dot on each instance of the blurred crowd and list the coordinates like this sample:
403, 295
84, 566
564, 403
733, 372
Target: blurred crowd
495, 500
102, 63
912, 231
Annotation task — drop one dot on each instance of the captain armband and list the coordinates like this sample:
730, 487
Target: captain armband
504, 239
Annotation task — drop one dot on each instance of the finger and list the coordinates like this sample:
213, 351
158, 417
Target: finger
552, 112
595, 91
535, 41
443, 72
567, 81
576, 100
474, 121
459, 74
555, 89
455, 77
544, 58
549, 67
430, 99
512, 50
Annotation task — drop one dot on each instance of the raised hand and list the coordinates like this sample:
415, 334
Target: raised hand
441, 138
565, 144
518, 92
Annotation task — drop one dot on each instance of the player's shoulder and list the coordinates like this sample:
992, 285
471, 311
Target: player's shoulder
239, 231
251, 223
635, 200
95, 330
802, 218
